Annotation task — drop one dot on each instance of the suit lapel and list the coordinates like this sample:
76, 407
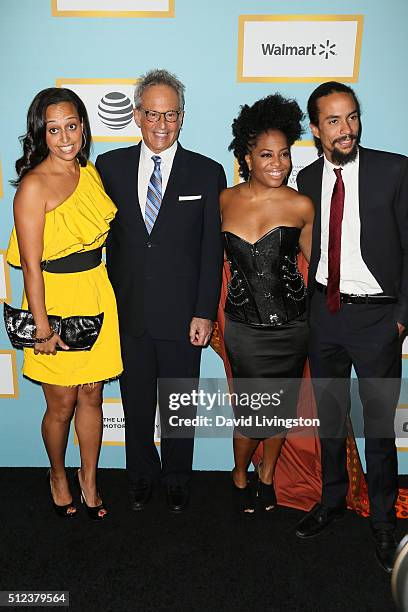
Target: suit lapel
365, 198
315, 192
363, 184
130, 176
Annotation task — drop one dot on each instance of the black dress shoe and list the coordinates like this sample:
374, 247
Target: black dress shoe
177, 498
317, 520
140, 493
385, 547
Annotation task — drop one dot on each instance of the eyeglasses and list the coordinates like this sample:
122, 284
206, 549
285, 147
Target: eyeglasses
170, 116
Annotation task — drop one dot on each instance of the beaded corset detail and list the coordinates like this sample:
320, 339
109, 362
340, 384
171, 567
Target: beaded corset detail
266, 287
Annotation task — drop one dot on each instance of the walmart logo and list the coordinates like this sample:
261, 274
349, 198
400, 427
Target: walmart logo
325, 50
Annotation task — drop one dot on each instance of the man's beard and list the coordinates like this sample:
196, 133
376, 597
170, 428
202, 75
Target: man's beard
341, 159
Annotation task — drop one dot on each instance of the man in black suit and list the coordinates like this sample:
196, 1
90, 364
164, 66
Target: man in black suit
164, 259
358, 283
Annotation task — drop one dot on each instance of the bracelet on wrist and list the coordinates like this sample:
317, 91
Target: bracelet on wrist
42, 340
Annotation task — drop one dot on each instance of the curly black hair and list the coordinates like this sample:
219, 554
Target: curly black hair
273, 112
35, 149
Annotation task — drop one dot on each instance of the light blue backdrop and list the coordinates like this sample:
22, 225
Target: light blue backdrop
200, 46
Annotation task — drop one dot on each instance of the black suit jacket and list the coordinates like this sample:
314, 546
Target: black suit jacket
164, 279
383, 202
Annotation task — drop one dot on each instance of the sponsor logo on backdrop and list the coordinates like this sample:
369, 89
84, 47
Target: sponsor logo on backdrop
114, 424
112, 8
325, 50
8, 375
109, 105
299, 47
303, 153
115, 110
5, 286
401, 427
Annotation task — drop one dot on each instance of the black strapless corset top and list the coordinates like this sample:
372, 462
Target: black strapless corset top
266, 287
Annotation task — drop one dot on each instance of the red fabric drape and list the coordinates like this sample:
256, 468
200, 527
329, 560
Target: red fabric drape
298, 471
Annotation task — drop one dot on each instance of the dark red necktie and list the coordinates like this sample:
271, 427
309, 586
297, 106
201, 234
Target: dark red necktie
336, 218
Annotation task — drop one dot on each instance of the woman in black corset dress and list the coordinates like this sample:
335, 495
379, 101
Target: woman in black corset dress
264, 224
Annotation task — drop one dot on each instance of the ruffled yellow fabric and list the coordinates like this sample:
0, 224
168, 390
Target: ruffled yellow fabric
80, 223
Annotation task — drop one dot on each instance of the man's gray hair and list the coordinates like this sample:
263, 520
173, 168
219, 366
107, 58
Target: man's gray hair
159, 77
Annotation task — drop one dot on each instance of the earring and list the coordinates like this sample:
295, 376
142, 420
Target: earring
83, 140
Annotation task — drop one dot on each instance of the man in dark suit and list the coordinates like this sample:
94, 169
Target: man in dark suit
164, 259
358, 283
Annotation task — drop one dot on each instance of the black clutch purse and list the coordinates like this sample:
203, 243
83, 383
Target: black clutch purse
78, 332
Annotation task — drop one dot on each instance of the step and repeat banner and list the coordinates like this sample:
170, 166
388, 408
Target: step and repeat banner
227, 54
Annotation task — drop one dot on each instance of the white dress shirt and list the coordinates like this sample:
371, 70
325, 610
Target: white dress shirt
355, 277
146, 166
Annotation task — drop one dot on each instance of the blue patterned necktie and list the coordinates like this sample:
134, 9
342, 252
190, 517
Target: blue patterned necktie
154, 194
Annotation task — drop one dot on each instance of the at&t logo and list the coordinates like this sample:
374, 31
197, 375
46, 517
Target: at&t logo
115, 110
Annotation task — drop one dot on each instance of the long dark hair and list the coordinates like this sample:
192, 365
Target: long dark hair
35, 149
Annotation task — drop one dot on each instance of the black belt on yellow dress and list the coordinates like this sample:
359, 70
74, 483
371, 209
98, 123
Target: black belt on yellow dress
76, 262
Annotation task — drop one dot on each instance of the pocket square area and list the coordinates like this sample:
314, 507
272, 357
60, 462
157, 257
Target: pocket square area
186, 198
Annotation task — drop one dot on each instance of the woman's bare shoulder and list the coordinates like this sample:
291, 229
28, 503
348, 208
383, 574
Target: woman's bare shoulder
32, 189
299, 199
230, 194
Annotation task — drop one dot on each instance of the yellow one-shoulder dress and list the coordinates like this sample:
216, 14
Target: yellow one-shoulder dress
78, 224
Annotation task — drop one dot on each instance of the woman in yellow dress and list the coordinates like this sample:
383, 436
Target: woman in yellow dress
62, 216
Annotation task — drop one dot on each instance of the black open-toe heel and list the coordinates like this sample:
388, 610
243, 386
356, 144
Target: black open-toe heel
244, 499
265, 493
92, 511
61, 511
266, 496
